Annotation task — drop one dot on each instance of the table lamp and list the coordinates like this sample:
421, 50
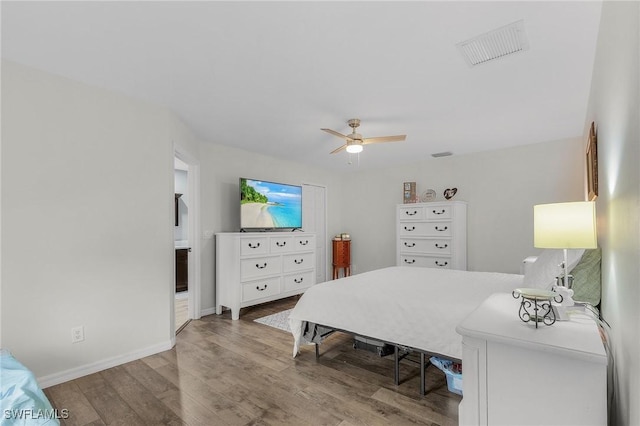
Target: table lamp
565, 226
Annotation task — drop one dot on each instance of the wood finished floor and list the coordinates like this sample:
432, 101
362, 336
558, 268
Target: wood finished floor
224, 372
181, 311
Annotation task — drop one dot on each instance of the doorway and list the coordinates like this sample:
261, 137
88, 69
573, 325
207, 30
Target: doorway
181, 244
186, 289
314, 219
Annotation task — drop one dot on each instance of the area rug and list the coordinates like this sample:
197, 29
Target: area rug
279, 320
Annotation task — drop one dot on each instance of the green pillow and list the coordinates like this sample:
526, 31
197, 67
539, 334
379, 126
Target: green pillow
587, 282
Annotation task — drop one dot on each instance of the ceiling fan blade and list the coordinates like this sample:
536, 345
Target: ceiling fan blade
339, 149
334, 133
397, 138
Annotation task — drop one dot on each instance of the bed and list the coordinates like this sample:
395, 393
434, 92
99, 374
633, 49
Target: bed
21, 399
417, 309
414, 307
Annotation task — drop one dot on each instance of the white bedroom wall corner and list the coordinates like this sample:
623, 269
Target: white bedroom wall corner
614, 105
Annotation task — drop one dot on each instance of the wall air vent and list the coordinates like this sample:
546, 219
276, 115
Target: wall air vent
442, 154
494, 44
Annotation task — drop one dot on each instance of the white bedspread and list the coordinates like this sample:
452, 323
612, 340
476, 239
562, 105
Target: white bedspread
410, 306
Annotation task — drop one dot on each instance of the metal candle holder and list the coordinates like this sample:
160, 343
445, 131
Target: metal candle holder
536, 305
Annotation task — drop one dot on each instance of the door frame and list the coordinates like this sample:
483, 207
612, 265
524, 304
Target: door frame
327, 250
193, 234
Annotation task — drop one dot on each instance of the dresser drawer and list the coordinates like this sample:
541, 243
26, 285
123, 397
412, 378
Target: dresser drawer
299, 281
432, 234
254, 246
411, 213
305, 243
249, 267
438, 212
425, 261
260, 289
298, 261
427, 229
411, 245
281, 244
256, 267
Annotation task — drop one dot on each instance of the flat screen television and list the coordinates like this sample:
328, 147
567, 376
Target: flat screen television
269, 205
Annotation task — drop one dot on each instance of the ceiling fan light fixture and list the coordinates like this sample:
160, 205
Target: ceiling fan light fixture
354, 148
355, 141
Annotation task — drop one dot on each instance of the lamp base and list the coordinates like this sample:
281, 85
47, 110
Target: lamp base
561, 308
566, 293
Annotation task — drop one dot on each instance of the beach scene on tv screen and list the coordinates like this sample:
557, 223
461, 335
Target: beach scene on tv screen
270, 205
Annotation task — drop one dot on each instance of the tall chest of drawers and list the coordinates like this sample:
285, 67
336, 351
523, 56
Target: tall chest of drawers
432, 235
258, 267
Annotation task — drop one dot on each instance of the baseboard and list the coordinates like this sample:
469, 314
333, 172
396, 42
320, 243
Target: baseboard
84, 370
208, 311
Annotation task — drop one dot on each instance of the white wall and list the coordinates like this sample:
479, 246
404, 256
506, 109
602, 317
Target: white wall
614, 106
87, 220
221, 169
501, 188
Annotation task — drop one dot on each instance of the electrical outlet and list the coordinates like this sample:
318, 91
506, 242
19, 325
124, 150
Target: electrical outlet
77, 334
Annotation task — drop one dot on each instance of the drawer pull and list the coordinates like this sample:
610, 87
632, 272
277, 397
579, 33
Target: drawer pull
441, 264
408, 213
298, 262
254, 245
261, 267
441, 229
442, 247
281, 244
298, 280
263, 288
406, 244
410, 262
304, 243
440, 212
413, 228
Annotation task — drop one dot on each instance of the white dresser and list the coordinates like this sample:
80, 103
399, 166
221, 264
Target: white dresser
259, 267
515, 374
432, 235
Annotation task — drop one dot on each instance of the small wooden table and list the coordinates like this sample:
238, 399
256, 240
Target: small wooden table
341, 257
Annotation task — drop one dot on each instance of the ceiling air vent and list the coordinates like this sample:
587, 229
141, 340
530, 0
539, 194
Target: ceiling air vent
442, 154
494, 44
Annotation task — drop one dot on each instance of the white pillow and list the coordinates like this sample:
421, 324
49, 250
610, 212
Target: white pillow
542, 274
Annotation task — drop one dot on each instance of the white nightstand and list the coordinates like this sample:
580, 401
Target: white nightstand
515, 374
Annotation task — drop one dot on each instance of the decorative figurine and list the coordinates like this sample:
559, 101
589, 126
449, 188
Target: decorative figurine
450, 192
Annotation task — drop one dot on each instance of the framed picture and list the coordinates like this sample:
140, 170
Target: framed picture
409, 192
592, 164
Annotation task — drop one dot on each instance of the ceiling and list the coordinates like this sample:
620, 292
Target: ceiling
266, 76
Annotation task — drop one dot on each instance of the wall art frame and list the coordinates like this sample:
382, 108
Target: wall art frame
592, 164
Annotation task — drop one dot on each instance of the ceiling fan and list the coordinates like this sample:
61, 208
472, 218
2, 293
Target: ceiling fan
355, 141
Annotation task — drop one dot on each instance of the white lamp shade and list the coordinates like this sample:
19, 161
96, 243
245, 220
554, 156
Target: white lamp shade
565, 225
354, 148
